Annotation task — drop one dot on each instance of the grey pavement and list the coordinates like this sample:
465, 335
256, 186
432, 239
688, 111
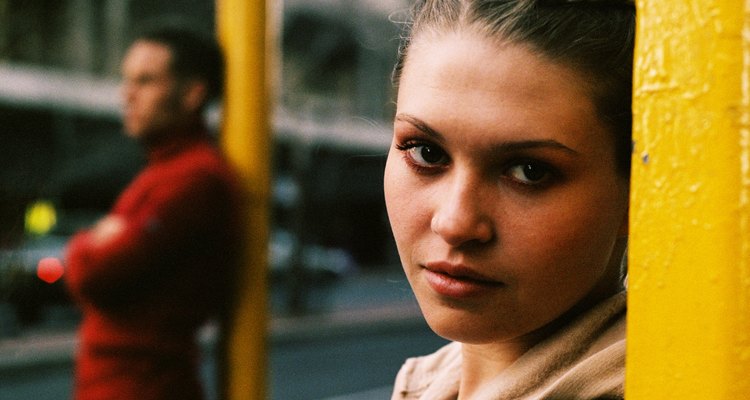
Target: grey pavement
372, 394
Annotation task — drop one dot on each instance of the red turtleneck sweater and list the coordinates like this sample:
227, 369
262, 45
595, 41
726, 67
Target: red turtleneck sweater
145, 292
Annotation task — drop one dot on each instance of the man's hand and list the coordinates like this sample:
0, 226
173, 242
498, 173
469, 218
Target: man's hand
107, 229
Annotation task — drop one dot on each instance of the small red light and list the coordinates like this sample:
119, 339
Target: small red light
50, 269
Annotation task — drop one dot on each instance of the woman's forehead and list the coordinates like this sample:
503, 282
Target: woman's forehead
465, 83
483, 72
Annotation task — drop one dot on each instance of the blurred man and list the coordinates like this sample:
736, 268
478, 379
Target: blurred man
156, 268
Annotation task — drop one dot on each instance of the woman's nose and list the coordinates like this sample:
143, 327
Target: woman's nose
460, 216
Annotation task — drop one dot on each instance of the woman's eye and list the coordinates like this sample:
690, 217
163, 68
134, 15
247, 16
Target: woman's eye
426, 155
529, 173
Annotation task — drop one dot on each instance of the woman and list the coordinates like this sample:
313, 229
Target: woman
507, 191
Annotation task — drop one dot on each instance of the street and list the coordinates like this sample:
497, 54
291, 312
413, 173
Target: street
352, 351
304, 369
327, 368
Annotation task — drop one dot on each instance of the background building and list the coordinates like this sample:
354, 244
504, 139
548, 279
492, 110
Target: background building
62, 143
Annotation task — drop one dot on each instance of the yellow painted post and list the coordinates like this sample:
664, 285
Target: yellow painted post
246, 140
689, 284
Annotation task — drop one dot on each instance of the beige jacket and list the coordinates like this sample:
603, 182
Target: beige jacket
586, 360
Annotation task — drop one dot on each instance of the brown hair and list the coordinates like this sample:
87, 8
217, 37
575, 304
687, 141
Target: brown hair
195, 54
594, 37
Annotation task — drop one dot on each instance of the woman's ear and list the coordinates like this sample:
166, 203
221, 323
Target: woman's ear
194, 95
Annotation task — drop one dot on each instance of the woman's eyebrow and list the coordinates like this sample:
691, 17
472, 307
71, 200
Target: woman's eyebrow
532, 144
503, 147
419, 124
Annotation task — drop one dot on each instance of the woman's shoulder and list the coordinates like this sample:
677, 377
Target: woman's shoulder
585, 360
597, 365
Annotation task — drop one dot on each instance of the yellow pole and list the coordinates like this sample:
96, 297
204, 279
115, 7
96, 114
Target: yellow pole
246, 140
689, 284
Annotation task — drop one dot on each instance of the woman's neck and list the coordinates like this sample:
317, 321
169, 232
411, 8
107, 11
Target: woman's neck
481, 363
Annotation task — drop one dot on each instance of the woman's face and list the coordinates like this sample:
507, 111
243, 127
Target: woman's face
501, 189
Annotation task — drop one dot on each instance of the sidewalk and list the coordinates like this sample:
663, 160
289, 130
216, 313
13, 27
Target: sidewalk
351, 305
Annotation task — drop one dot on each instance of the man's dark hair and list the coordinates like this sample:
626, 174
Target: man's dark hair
194, 55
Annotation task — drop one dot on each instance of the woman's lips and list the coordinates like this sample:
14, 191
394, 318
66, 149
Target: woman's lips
457, 281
